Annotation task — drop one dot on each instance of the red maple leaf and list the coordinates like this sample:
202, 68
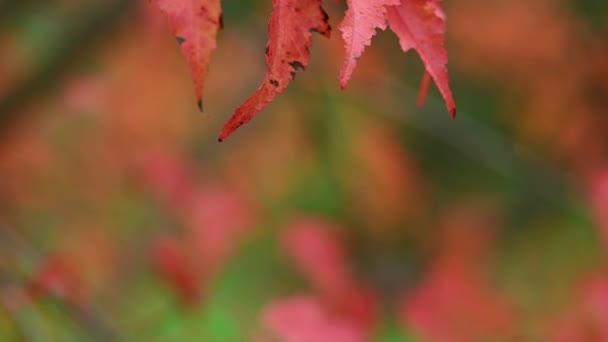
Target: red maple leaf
290, 36
362, 19
420, 25
195, 24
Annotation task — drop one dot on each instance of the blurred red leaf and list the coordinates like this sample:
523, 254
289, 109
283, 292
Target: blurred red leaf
84, 94
169, 177
454, 302
59, 278
420, 25
359, 304
290, 36
174, 267
218, 220
587, 318
451, 306
318, 253
195, 24
304, 319
358, 27
598, 196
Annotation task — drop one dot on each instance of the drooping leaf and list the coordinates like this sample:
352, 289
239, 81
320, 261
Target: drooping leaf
195, 24
420, 25
362, 19
290, 36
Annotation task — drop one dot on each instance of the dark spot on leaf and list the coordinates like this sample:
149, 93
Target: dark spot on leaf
325, 16
267, 49
323, 29
221, 21
180, 40
296, 65
274, 82
200, 105
357, 58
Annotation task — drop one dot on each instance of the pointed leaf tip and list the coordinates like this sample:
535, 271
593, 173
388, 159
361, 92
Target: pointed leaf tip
420, 25
290, 37
195, 24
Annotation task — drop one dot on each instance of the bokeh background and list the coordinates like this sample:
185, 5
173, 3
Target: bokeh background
332, 216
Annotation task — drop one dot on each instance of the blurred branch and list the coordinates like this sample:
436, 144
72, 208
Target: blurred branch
89, 28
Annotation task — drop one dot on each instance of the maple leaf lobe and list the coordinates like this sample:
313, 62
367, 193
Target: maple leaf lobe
358, 27
420, 25
290, 31
195, 24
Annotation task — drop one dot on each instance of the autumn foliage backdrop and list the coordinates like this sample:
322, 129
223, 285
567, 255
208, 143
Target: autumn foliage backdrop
335, 215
